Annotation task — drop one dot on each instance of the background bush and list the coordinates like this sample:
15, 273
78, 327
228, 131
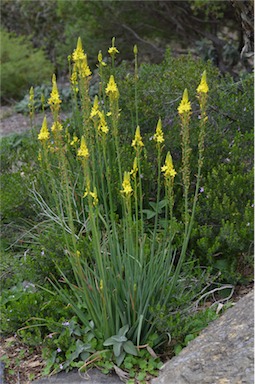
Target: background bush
21, 66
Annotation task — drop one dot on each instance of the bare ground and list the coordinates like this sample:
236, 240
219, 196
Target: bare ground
12, 122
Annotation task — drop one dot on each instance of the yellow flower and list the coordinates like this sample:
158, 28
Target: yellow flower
44, 133
135, 168
73, 79
78, 53
75, 139
56, 127
127, 189
137, 142
84, 70
203, 87
159, 137
100, 59
83, 150
112, 89
113, 50
54, 100
103, 124
95, 109
168, 168
93, 195
185, 103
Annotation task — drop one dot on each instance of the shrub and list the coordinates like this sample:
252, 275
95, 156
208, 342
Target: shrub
223, 233
21, 66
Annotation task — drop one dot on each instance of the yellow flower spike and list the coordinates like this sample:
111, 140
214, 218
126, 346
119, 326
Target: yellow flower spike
113, 50
203, 87
159, 136
74, 78
185, 103
54, 100
78, 53
100, 58
127, 189
134, 169
44, 133
83, 150
102, 127
137, 142
31, 95
56, 127
168, 168
112, 89
95, 109
84, 69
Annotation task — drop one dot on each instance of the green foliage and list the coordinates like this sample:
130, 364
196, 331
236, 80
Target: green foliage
224, 229
68, 345
183, 327
23, 302
21, 66
220, 237
40, 92
121, 345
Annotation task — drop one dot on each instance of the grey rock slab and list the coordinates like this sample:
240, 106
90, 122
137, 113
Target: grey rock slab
222, 354
1, 372
93, 376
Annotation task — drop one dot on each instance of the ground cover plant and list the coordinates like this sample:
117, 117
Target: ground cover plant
116, 206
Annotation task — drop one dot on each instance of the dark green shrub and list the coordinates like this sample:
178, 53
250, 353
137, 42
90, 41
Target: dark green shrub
24, 302
21, 66
223, 233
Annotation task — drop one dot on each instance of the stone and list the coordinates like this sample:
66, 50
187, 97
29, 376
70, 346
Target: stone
93, 376
222, 354
2, 372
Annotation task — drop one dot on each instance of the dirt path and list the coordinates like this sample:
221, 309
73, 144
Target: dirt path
13, 122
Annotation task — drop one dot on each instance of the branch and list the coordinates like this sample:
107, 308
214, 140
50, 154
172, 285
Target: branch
142, 40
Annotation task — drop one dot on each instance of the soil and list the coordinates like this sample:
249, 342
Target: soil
15, 123
12, 122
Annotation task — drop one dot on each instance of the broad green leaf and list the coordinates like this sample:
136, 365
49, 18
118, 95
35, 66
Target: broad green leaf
149, 213
108, 342
117, 349
123, 330
130, 348
119, 339
120, 358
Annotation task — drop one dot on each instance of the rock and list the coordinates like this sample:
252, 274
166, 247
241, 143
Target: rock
222, 354
2, 372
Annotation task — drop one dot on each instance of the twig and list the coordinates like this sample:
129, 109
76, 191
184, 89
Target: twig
142, 40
